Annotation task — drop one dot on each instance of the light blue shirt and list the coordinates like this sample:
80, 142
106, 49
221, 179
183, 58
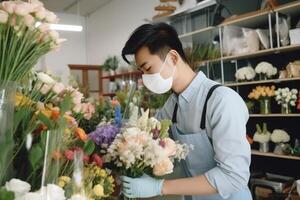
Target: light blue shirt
226, 120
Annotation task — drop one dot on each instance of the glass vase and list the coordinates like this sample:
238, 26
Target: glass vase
7, 103
286, 109
264, 147
263, 77
265, 106
52, 156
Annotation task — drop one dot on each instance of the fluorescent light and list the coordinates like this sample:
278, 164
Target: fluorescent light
63, 27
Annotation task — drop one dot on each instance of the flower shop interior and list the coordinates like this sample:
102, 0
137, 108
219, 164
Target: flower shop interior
75, 116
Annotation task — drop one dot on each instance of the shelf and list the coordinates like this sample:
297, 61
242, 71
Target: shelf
257, 153
109, 94
196, 32
262, 82
127, 74
274, 115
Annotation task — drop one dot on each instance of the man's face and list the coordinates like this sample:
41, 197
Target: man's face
151, 63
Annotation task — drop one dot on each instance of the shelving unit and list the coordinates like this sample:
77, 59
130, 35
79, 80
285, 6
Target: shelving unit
125, 75
273, 155
261, 82
274, 115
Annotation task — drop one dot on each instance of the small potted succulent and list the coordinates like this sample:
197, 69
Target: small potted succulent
262, 136
111, 64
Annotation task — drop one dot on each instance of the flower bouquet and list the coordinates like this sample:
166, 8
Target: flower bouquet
263, 94
245, 74
143, 146
266, 70
279, 137
262, 136
286, 98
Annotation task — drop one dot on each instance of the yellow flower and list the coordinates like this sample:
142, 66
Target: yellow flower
102, 173
21, 100
61, 184
65, 179
98, 190
110, 179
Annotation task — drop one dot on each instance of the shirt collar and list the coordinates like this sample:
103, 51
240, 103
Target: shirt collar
188, 93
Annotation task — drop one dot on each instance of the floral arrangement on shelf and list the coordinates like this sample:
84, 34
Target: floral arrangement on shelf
262, 136
286, 98
245, 74
280, 136
25, 37
144, 146
111, 64
263, 94
265, 70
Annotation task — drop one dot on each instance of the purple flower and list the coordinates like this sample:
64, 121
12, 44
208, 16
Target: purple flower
104, 135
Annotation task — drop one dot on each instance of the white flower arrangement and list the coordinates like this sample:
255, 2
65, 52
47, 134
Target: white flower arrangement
262, 136
280, 136
266, 69
286, 97
245, 73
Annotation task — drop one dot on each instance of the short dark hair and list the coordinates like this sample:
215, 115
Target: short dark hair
158, 37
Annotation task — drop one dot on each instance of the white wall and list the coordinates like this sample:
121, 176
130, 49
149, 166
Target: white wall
73, 51
110, 26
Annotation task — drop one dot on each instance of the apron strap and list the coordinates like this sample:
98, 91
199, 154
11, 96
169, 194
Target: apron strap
203, 117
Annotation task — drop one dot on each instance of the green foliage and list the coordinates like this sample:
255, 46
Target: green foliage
111, 63
153, 101
6, 195
89, 147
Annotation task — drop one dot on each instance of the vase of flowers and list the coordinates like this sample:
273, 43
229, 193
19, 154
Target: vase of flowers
280, 138
262, 136
263, 94
265, 70
286, 98
245, 74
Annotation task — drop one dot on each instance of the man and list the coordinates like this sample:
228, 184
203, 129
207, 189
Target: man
211, 118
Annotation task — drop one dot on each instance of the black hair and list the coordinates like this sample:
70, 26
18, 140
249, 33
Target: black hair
158, 37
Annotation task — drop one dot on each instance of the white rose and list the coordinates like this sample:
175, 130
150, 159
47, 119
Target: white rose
279, 136
33, 196
53, 192
3, 17
262, 138
45, 78
18, 187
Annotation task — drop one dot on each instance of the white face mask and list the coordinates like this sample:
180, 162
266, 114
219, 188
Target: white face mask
156, 83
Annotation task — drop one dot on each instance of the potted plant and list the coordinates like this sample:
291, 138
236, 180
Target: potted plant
262, 136
111, 64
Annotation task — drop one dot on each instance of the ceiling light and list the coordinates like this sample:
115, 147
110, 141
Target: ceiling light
63, 27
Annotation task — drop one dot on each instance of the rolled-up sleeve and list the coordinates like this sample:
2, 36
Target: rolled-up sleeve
228, 116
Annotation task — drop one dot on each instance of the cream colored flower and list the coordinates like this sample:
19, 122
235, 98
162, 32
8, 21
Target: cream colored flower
169, 147
163, 168
98, 190
18, 187
3, 17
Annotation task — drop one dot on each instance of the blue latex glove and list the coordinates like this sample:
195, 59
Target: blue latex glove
142, 187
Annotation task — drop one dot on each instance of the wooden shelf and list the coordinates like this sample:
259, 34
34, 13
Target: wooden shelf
274, 115
257, 153
210, 28
262, 82
126, 74
109, 94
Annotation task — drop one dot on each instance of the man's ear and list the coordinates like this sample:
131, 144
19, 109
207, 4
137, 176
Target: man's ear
174, 57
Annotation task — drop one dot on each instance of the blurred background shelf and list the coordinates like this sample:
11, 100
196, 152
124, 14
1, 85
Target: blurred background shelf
262, 82
126, 74
257, 153
274, 115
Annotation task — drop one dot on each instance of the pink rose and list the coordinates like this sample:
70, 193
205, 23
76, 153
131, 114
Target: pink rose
77, 97
44, 28
169, 147
51, 17
29, 21
163, 168
88, 109
21, 9
77, 108
3, 17
54, 35
8, 6
58, 88
41, 13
